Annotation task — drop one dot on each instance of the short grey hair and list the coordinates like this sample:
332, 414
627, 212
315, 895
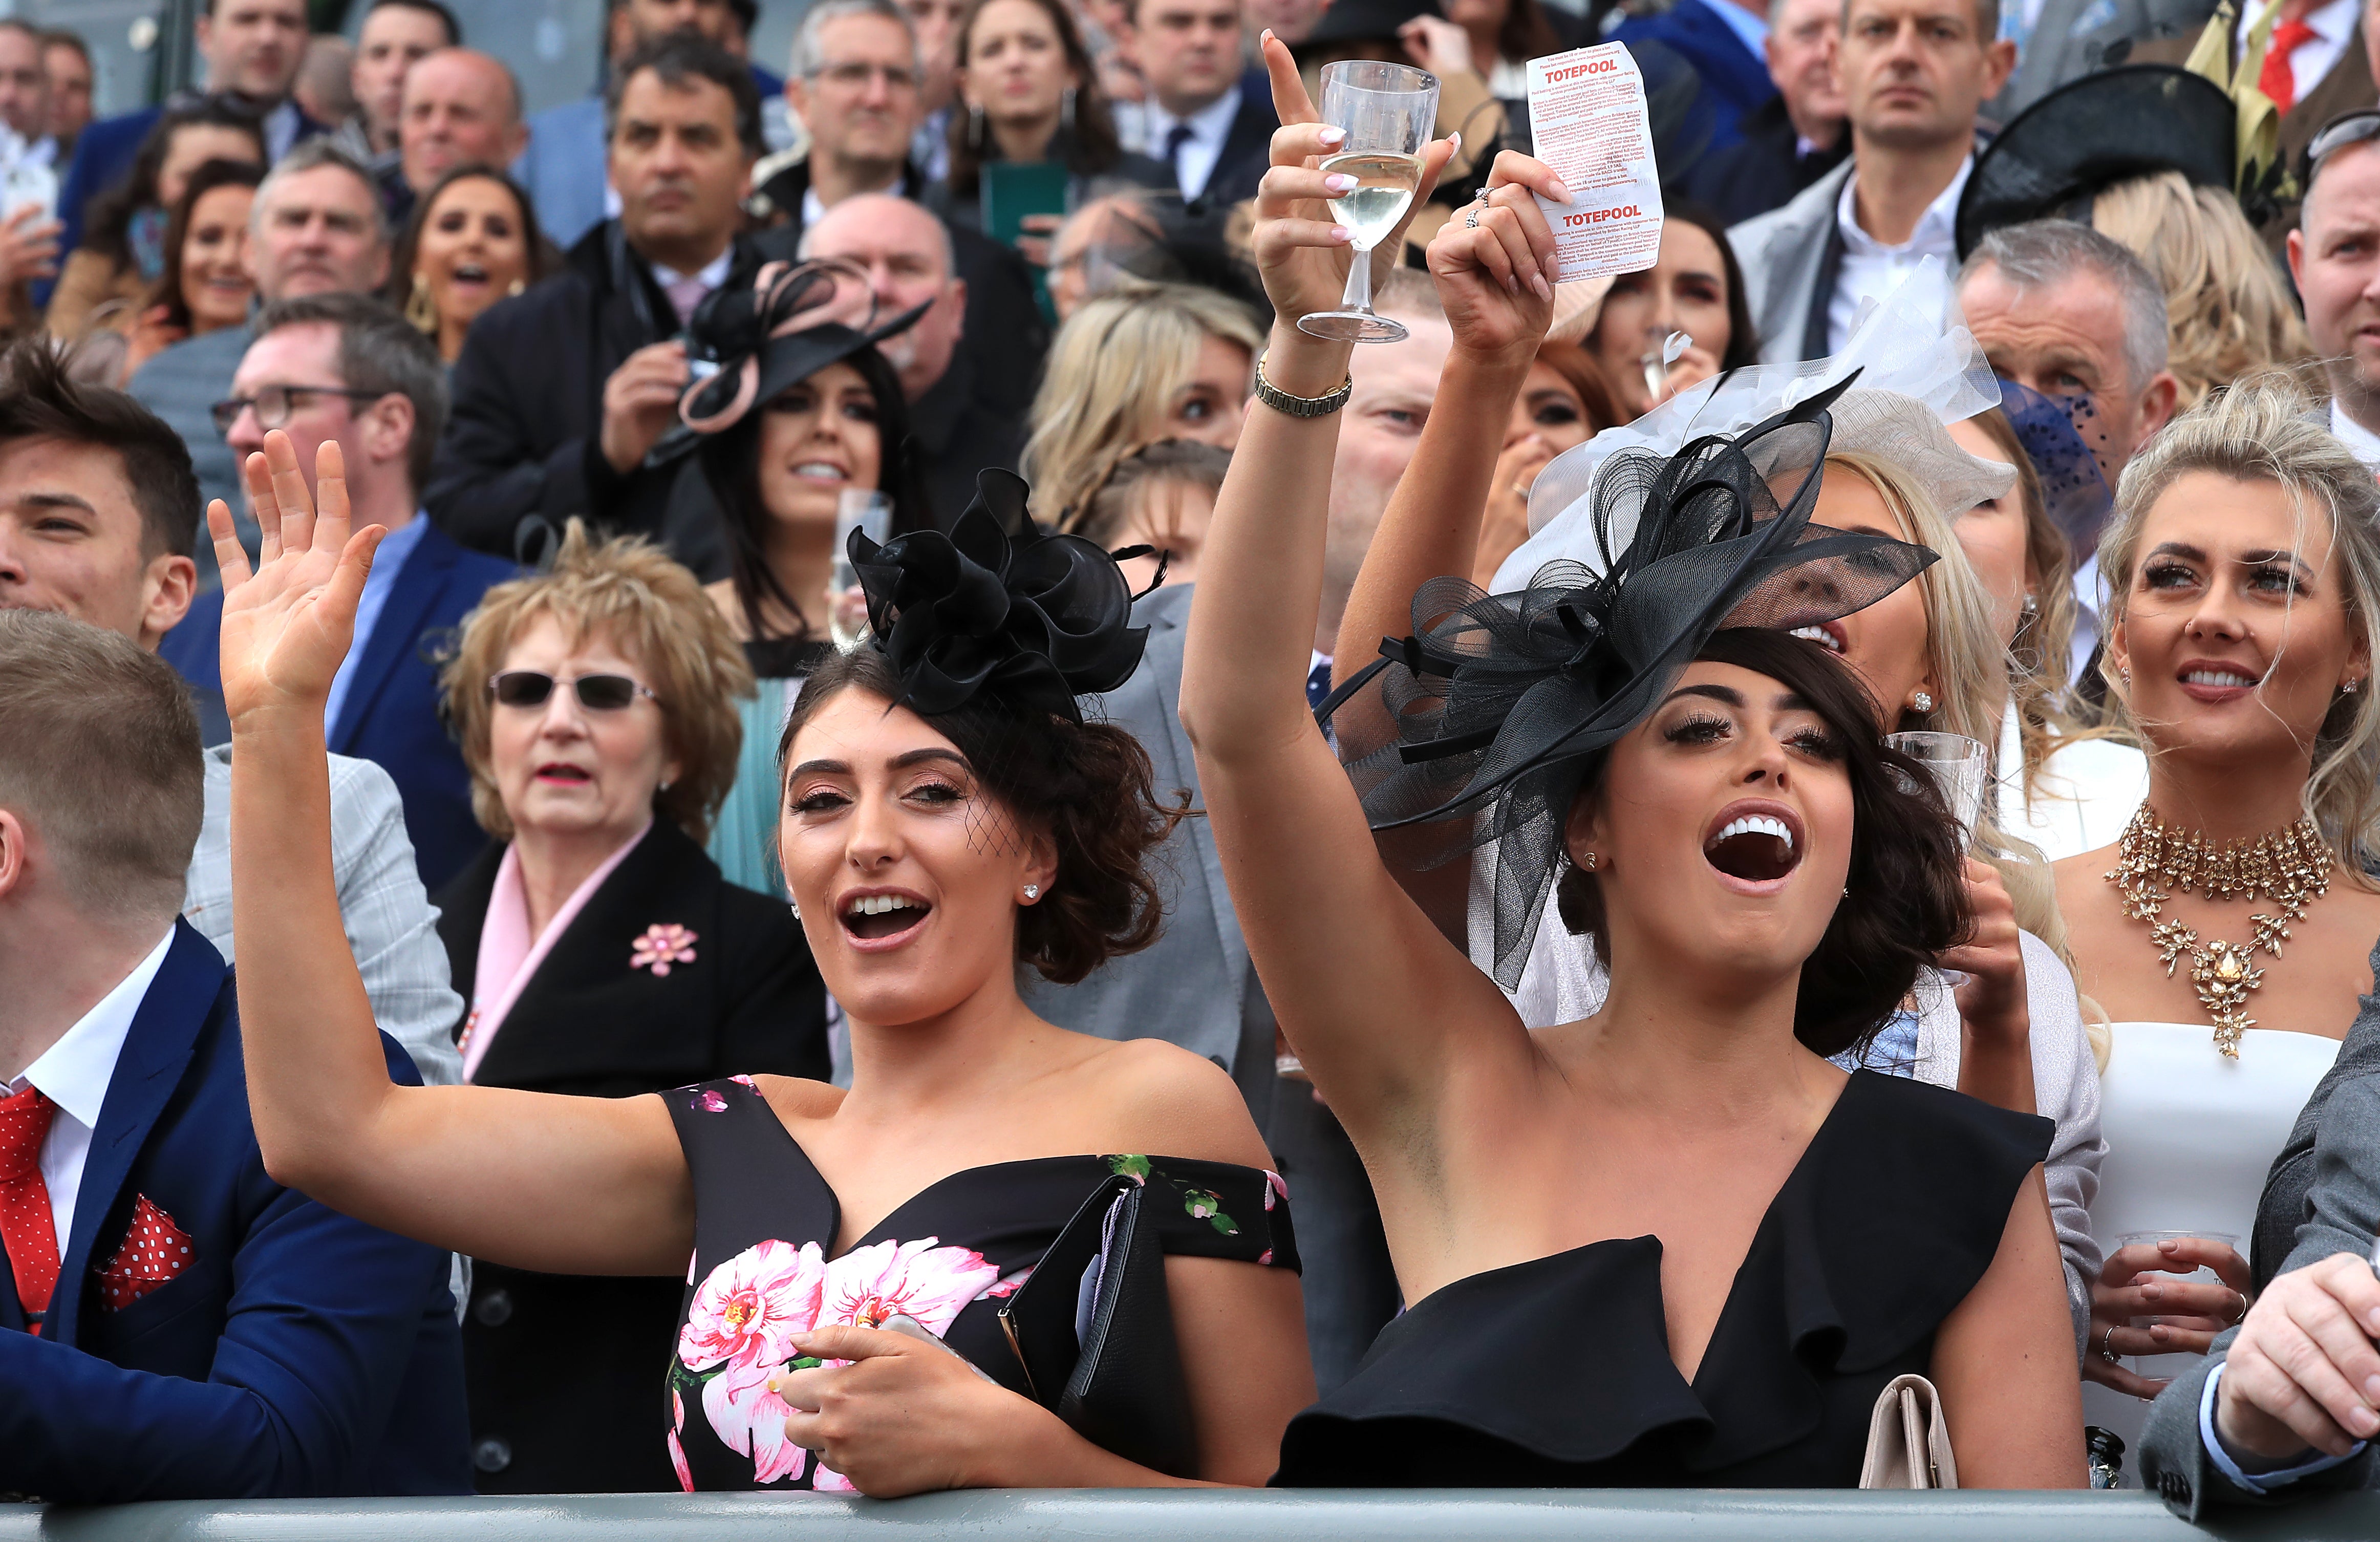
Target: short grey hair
98, 751
2045, 252
381, 352
808, 56
949, 247
313, 155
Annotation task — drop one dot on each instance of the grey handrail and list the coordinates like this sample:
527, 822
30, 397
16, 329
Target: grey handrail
1178, 1515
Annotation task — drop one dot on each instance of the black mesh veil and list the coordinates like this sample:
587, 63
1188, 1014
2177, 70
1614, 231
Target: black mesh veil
1489, 714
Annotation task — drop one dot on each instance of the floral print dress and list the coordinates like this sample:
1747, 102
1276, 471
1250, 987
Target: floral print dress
765, 1218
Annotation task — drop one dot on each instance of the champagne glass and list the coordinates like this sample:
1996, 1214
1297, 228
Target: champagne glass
1958, 765
1388, 111
847, 603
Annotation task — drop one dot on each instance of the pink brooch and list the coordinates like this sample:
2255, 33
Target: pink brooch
661, 946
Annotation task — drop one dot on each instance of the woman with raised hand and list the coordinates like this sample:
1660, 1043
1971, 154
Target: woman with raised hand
1678, 1168
865, 1311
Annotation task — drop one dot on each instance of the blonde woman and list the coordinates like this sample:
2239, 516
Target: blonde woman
2242, 572
2231, 314
1142, 363
603, 955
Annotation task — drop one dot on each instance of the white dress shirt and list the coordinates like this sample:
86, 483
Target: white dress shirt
1194, 164
74, 1074
2333, 24
1872, 269
2361, 441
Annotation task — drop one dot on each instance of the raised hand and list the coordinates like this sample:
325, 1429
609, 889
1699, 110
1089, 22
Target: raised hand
1496, 277
1302, 254
288, 625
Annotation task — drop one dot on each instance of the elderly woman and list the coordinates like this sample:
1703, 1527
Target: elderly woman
602, 955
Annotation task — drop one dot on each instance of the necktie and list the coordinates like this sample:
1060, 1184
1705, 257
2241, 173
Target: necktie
2278, 80
26, 1225
1175, 137
1317, 683
684, 295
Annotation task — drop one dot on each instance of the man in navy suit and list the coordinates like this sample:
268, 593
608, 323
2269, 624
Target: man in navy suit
1209, 121
1726, 40
346, 367
174, 1324
252, 49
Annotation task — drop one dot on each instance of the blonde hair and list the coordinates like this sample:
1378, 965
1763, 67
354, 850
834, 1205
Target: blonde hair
2037, 656
2262, 430
626, 591
1114, 371
2227, 313
1970, 673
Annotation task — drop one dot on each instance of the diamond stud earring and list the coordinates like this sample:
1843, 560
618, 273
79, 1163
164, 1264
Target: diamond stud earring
1591, 860
1923, 701
2349, 688
1032, 891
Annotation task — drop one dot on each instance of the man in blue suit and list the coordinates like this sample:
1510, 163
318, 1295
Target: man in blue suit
174, 1324
252, 49
346, 367
1726, 40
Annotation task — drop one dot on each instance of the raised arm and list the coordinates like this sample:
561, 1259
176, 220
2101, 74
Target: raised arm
1496, 281
582, 1185
1368, 993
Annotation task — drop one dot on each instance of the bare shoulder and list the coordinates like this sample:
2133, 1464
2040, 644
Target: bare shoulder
1164, 1100
2088, 866
799, 1098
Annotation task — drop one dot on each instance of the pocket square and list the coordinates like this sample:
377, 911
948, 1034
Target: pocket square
155, 1251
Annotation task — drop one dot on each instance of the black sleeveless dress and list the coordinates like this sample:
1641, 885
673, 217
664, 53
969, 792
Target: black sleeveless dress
1556, 1373
764, 1219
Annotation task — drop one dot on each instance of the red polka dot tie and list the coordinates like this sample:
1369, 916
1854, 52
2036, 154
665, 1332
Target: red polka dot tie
27, 1228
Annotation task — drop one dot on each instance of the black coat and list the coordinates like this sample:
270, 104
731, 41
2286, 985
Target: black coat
1762, 170
1248, 145
525, 437
566, 1374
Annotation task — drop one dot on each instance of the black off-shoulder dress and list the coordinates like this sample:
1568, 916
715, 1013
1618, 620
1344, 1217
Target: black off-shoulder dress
765, 1221
1556, 1373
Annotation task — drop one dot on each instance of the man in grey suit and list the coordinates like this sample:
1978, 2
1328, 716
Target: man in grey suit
2283, 1406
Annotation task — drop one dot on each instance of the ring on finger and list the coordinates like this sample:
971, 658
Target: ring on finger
2106, 1345
2240, 1314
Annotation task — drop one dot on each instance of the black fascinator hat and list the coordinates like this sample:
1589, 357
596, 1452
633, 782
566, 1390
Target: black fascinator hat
1038, 619
748, 344
2107, 127
1495, 710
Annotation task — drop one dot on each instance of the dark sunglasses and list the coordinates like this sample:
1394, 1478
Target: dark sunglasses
597, 693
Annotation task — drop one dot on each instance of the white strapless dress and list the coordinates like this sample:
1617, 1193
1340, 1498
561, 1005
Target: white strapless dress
2189, 1136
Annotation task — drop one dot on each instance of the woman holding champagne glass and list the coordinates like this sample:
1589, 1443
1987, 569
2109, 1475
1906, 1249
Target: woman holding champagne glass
2228, 933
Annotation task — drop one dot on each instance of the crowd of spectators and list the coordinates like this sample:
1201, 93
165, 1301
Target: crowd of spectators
801, 701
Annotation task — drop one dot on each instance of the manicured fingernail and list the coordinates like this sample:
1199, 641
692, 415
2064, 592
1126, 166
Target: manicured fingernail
1338, 182
1266, 38
1561, 191
1330, 135
2362, 1420
2152, 1292
1545, 291
2372, 1389
1512, 282
1455, 139
1339, 233
2374, 1318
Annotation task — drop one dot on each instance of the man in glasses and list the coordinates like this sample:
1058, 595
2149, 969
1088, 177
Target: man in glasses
98, 514
2335, 258
316, 228
855, 85
348, 368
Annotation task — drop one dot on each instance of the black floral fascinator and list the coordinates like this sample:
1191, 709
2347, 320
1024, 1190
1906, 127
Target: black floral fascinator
1492, 711
745, 345
1038, 619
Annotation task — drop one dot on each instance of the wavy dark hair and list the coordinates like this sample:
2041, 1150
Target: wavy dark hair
108, 218
211, 175
1091, 149
1908, 898
1089, 786
544, 257
731, 465
1743, 337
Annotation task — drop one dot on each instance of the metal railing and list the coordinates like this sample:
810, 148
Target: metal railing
1311, 1515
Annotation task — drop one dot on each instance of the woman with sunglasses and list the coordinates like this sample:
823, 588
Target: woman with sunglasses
602, 954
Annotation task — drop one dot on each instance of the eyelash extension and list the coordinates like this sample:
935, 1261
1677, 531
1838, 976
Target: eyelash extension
1706, 726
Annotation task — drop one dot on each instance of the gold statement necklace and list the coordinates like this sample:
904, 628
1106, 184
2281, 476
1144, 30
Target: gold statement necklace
2291, 867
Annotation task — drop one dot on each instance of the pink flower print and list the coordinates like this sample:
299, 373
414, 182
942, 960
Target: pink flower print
677, 1460
1274, 1185
661, 946
710, 1102
751, 1306
869, 1284
746, 1082
750, 1420
826, 1480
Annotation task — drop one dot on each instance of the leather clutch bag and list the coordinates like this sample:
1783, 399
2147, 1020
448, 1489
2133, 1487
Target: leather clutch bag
1093, 1327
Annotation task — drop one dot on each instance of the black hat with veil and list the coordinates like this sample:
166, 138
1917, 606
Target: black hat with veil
1492, 712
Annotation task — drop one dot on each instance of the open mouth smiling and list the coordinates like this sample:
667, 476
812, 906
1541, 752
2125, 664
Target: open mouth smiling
1754, 842
881, 916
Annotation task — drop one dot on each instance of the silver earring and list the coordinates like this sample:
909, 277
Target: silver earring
975, 126
2125, 672
1922, 702
1067, 112
2032, 606
1032, 891
1589, 864
663, 788
796, 908
2349, 688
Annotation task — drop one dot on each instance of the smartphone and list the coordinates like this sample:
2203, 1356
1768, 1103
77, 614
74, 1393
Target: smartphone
1011, 191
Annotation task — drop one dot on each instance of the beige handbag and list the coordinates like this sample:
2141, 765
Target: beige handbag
1908, 1440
